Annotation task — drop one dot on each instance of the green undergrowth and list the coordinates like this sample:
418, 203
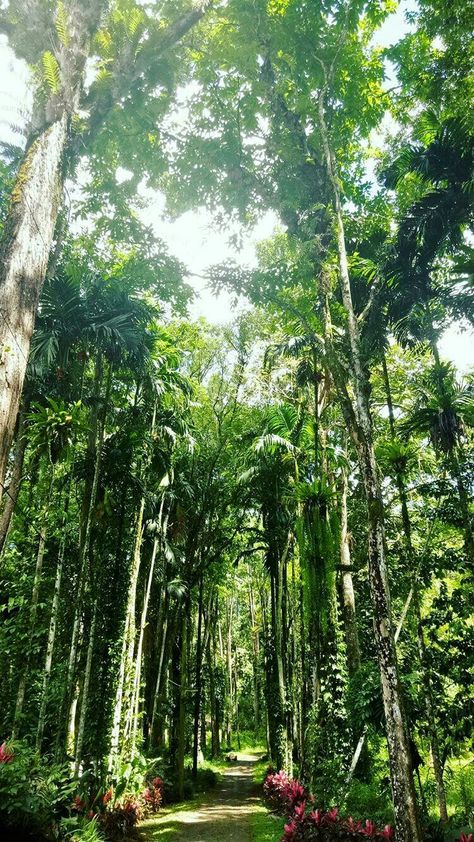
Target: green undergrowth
260, 770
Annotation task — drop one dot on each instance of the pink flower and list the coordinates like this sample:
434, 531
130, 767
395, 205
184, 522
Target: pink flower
6, 756
331, 816
315, 816
289, 831
388, 833
352, 825
300, 810
369, 829
466, 837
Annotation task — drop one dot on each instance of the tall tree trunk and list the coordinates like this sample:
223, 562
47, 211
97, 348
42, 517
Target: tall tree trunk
24, 253
34, 206
407, 827
198, 680
95, 444
256, 655
128, 641
347, 587
422, 652
52, 626
163, 626
85, 694
125, 693
230, 689
33, 612
181, 711
138, 658
213, 698
11, 493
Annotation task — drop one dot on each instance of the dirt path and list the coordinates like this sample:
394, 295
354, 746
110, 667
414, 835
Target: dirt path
222, 816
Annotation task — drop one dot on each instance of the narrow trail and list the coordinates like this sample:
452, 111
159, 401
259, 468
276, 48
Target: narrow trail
223, 814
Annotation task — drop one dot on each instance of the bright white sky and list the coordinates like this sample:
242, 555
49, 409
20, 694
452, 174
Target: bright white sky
193, 238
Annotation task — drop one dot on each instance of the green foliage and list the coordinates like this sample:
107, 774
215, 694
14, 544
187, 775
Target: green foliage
51, 72
33, 791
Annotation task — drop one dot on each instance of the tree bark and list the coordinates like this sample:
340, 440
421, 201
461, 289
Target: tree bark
11, 493
347, 587
24, 254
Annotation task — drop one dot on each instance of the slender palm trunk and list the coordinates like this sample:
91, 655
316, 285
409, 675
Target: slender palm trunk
128, 640
198, 680
415, 596
85, 694
163, 626
96, 440
256, 656
138, 658
347, 587
407, 827
181, 723
213, 699
32, 618
230, 688
52, 627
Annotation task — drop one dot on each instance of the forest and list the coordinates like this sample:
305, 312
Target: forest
236, 553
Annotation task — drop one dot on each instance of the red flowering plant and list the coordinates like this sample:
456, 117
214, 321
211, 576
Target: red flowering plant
153, 795
124, 816
466, 837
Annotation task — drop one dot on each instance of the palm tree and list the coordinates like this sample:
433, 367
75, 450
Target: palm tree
434, 224
443, 410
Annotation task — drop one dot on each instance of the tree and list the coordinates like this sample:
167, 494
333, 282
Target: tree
29, 228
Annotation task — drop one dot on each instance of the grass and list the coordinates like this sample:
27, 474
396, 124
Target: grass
264, 826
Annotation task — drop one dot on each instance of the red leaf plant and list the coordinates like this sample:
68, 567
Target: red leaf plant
6, 755
289, 797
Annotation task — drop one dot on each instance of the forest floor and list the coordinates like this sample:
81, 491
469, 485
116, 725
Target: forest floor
224, 814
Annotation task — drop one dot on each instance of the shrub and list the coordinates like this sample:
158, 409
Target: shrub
153, 795
283, 794
289, 797
80, 829
120, 821
319, 826
33, 794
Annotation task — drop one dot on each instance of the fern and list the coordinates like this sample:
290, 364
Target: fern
105, 43
61, 24
135, 20
51, 72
